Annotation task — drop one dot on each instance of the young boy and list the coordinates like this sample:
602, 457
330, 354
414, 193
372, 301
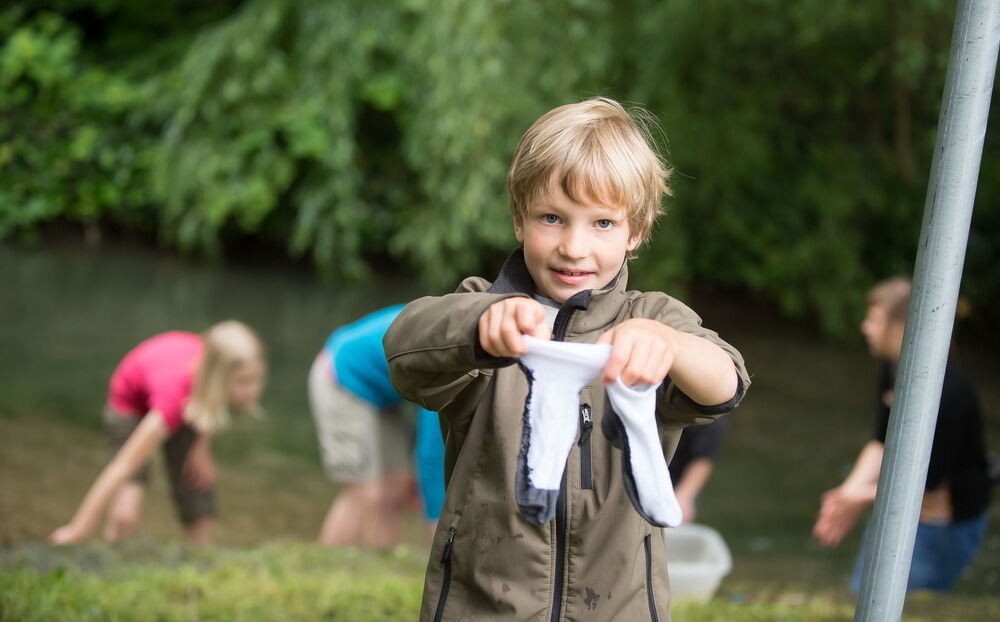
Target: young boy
955, 508
585, 187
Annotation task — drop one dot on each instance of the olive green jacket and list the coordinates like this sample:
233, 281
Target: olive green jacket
598, 559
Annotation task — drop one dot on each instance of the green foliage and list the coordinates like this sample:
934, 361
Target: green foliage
69, 145
263, 115
801, 134
352, 127
477, 94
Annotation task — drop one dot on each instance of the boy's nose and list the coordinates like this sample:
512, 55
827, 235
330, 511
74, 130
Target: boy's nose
573, 244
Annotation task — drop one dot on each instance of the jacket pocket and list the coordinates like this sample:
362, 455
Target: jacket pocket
647, 546
446, 572
586, 426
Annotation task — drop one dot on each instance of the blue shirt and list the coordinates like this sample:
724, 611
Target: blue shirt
359, 359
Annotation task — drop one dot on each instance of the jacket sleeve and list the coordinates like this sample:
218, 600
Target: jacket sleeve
433, 350
674, 407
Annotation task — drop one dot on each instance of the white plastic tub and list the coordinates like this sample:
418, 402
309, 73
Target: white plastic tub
697, 561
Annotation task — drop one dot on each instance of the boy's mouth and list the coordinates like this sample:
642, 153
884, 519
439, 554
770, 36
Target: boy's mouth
571, 277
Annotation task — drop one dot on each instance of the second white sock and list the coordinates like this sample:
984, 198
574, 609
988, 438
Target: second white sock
636, 407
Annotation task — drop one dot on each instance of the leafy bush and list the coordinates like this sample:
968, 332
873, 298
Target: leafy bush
71, 144
802, 135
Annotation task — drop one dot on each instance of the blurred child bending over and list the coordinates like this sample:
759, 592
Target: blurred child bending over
364, 439
174, 391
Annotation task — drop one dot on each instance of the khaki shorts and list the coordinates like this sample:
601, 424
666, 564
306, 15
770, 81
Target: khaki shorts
357, 441
191, 503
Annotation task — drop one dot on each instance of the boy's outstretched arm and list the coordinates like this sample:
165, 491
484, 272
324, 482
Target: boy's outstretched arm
644, 351
433, 347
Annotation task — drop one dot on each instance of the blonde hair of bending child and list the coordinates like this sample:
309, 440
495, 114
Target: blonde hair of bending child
602, 153
227, 346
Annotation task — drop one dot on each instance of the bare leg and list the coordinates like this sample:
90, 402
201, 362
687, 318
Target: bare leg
125, 512
353, 508
200, 531
385, 528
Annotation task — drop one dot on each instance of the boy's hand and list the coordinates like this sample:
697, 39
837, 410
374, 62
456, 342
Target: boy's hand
642, 352
503, 323
689, 509
67, 534
839, 512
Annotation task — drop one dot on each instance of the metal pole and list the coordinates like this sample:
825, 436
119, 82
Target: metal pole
938, 272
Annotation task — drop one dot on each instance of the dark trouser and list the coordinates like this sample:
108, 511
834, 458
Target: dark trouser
191, 503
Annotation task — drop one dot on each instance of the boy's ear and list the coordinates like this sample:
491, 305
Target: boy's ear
633, 243
518, 230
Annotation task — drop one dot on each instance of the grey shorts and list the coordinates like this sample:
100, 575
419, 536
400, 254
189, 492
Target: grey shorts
357, 441
191, 503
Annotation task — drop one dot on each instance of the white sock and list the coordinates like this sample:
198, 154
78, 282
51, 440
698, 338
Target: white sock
557, 372
636, 408
556, 375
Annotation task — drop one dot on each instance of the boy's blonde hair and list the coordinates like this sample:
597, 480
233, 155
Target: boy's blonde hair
226, 346
893, 295
601, 152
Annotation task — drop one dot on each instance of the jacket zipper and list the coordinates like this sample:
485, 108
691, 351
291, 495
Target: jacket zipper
557, 587
586, 425
446, 578
648, 546
559, 334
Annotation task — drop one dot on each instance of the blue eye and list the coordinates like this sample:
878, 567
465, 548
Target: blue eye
604, 223
550, 219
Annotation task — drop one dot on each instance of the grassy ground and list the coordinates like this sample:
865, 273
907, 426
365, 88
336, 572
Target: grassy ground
156, 580
150, 581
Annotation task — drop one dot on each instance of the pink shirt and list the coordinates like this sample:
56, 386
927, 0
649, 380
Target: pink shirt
157, 375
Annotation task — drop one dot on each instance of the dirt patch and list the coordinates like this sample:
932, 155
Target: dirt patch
46, 467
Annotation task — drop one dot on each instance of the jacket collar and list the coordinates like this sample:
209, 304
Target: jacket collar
514, 276
602, 306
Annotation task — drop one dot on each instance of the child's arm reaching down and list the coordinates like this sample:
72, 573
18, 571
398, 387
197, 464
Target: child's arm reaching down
148, 435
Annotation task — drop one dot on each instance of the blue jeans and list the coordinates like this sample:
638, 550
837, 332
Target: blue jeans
940, 554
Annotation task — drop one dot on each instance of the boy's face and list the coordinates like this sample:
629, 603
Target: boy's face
884, 336
570, 246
